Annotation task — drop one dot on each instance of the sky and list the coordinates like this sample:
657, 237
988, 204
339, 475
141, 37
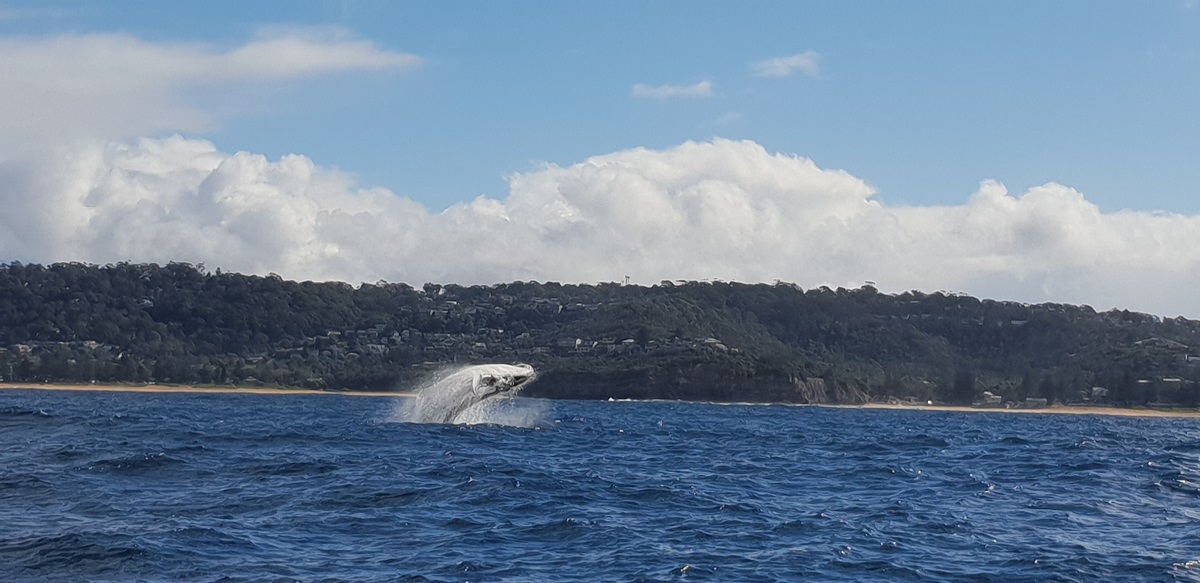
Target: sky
1025, 151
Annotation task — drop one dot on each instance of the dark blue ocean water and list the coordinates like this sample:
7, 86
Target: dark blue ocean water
178, 487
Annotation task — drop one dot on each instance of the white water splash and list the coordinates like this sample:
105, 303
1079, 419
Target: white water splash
506, 411
479, 394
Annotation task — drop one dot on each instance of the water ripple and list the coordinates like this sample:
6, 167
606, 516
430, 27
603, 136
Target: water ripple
129, 487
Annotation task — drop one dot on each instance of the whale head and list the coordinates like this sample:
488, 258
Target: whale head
489, 380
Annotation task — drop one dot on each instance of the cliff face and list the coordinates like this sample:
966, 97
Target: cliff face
817, 391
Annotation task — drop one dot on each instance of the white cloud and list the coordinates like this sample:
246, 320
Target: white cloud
720, 209
808, 62
112, 86
291, 53
664, 92
728, 118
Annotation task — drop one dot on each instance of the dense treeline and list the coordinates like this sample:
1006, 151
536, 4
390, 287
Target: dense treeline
179, 323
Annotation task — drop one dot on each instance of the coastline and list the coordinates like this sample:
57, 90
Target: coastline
1051, 410
190, 389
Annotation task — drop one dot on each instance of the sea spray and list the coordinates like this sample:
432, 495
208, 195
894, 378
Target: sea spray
473, 395
506, 411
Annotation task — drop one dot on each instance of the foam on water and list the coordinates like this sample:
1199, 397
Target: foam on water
507, 411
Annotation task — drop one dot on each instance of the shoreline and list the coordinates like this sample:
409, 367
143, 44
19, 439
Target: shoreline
1050, 410
110, 388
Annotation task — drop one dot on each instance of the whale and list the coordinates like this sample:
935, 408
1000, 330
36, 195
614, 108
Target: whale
445, 400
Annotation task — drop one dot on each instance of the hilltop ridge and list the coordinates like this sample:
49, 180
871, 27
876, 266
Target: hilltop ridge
716, 341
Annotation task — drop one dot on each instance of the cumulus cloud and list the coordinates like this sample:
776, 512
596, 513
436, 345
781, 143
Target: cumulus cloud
720, 209
63, 88
664, 92
808, 62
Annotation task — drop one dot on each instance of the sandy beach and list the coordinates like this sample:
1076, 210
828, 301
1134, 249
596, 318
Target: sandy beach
191, 389
1055, 409
1052, 410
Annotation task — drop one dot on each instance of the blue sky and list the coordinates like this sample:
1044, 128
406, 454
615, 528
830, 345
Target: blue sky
1033, 151
922, 100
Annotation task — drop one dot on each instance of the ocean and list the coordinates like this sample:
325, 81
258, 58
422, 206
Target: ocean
247, 487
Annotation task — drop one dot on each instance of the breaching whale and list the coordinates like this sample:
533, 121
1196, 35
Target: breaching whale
446, 399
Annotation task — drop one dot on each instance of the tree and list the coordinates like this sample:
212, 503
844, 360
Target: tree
964, 391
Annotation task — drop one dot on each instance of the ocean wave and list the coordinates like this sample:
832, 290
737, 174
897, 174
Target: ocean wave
126, 487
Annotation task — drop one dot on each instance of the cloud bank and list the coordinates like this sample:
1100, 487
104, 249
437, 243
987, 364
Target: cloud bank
106, 86
808, 62
665, 92
720, 209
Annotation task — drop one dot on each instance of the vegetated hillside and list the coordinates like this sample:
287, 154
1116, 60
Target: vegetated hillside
713, 341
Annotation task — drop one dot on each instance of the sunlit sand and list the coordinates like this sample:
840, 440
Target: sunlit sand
1055, 409
193, 389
